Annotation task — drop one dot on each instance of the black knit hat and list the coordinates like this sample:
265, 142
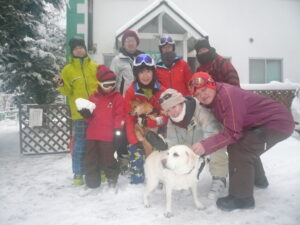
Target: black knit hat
76, 41
202, 43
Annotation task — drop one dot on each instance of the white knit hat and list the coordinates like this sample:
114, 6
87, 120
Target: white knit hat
170, 98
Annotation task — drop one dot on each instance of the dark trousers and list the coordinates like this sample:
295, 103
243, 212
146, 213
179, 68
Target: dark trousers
245, 165
99, 153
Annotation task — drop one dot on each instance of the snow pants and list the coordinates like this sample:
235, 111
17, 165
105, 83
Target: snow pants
136, 164
245, 165
218, 165
78, 132
100, 154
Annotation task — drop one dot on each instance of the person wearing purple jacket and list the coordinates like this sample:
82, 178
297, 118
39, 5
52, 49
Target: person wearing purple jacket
252, 124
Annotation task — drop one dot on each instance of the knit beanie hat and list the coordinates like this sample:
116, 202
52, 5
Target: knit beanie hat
130, 33
170, 98
104, 74
76, 41
200, 80
202, 43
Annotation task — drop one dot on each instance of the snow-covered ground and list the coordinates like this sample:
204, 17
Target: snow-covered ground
38, 190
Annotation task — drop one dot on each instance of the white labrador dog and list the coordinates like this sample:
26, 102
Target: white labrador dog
177, 168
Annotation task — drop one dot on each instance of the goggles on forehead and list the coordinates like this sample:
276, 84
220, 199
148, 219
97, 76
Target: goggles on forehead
143, 58
164, 98
107, 84
199, 82
166, 40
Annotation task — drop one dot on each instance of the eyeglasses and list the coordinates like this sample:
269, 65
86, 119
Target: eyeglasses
166, 40
143, 58
164, 98
199, 82
130, 40
107, 84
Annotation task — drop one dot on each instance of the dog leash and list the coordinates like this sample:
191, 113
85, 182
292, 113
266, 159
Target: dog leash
201, 166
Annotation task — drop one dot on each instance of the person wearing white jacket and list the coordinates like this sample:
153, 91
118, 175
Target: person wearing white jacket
190, 122
121, 65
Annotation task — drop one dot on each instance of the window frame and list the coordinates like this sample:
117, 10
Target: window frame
265, 68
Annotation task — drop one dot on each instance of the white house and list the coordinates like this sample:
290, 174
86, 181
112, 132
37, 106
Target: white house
260, 37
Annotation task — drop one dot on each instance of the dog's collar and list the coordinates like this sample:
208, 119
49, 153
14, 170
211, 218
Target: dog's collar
164, 166
191, 170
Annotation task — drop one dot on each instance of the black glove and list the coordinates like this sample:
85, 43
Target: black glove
156, 141
118, 138
85, 113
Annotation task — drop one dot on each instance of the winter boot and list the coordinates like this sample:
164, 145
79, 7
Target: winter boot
261, 182
217, 188
230, 203
92, 180
102, 176
78, 180
123, 162
112, 174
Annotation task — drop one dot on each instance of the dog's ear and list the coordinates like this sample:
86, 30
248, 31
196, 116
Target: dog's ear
191, 159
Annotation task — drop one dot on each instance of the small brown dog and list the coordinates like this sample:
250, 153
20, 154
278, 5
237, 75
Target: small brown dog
143, 109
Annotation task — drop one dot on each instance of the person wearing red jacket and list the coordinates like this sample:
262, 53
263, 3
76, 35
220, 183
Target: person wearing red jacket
252, 124
219, 68
171, 70
104, 129
145, 88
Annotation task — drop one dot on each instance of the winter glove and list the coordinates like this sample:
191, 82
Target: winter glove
118, 138
85, 113
142, 120
156, 141
58, 81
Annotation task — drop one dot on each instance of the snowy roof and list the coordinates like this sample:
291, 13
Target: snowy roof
167, 7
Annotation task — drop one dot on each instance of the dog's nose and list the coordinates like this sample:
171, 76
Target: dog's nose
164, 163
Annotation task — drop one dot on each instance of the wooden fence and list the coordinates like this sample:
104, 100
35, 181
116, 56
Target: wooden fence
44, 129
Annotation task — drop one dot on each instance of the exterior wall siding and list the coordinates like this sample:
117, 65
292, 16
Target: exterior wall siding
273, 25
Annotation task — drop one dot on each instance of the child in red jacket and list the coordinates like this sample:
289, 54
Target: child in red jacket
104, 113
145, 88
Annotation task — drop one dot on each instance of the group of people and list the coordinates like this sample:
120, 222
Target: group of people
207, 111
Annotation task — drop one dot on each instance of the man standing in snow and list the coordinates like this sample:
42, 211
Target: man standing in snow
171, 70
252, 124
78, 80
121, 65
215, 65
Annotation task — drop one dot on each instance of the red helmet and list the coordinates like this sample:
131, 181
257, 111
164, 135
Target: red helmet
201, 79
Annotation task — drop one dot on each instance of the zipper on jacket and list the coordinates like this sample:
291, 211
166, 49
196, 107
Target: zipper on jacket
84, 77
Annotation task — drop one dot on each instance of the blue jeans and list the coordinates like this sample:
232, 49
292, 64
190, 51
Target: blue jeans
79, 128
136, 164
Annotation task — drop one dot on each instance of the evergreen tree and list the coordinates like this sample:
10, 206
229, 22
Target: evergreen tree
31, 49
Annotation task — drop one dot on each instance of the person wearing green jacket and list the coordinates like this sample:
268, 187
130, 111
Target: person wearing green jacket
77, 80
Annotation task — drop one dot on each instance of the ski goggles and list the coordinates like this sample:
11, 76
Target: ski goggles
166, 40
199, 82
164, 98
107, 84
143, 58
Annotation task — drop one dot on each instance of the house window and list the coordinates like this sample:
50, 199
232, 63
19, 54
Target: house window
265, 70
